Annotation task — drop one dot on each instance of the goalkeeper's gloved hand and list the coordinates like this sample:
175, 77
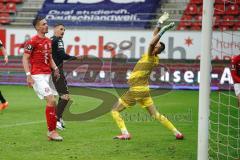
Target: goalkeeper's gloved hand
166, 28
163, 18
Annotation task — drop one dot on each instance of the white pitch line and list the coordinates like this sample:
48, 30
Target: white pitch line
21, 124
91, 121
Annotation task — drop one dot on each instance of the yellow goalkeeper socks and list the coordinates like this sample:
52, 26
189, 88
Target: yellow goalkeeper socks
166, 123
120, 122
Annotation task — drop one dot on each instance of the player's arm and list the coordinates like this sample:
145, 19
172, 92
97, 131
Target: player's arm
234, 70
156, 30
153, 43
25, 61
64, 56
54, 67
59, 51
235, 76
28, 49
4, 54
52, 63
156, 38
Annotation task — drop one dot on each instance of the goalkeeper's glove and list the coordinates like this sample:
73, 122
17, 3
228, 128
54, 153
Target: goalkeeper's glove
165, 28
163, 18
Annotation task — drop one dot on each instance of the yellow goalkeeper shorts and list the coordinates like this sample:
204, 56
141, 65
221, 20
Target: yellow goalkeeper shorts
130, 98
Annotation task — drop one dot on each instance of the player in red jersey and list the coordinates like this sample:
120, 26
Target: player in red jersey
235, 72
4, 103
38, 53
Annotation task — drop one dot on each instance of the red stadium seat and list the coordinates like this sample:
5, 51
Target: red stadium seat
2, 7
232, 9
4, 18
219, 9
225, 1
223, 28
217, 21
191, 9
237, 24
198, 21
181, 28
196, 1
11, 7
228, 21
186, 20
226, 9
236, 27
215, 28
200, 10
195, 28
237, 21
15, 1
220, 1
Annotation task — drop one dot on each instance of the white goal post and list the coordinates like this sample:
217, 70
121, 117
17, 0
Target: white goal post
205, 79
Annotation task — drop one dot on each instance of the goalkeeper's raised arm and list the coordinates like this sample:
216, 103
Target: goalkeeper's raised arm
154, 48
160, 22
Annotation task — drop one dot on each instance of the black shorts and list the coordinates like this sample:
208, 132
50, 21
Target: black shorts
60, 84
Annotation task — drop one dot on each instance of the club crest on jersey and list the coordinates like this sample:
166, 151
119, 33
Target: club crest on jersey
60, 45
29, 47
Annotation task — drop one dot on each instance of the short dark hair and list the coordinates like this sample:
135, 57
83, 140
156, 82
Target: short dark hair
36, 20
58, 24
162, 47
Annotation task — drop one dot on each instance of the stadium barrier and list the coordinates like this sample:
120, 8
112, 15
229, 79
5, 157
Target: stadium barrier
94, 72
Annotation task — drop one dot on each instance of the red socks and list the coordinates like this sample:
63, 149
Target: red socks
51, 117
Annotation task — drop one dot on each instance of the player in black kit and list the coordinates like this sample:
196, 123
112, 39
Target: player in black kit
59, 55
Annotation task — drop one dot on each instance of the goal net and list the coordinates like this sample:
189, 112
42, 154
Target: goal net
224, 120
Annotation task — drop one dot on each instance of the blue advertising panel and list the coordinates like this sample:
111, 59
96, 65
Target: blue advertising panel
100, 13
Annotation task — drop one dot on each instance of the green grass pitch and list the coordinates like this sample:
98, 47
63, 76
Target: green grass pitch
23, 130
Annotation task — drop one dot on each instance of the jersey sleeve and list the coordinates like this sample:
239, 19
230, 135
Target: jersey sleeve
29, 46
235, 69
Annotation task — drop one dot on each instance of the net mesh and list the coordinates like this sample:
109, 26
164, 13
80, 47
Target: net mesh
224, 120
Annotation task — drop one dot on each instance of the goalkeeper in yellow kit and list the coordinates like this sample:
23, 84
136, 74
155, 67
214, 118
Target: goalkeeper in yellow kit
139, 87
